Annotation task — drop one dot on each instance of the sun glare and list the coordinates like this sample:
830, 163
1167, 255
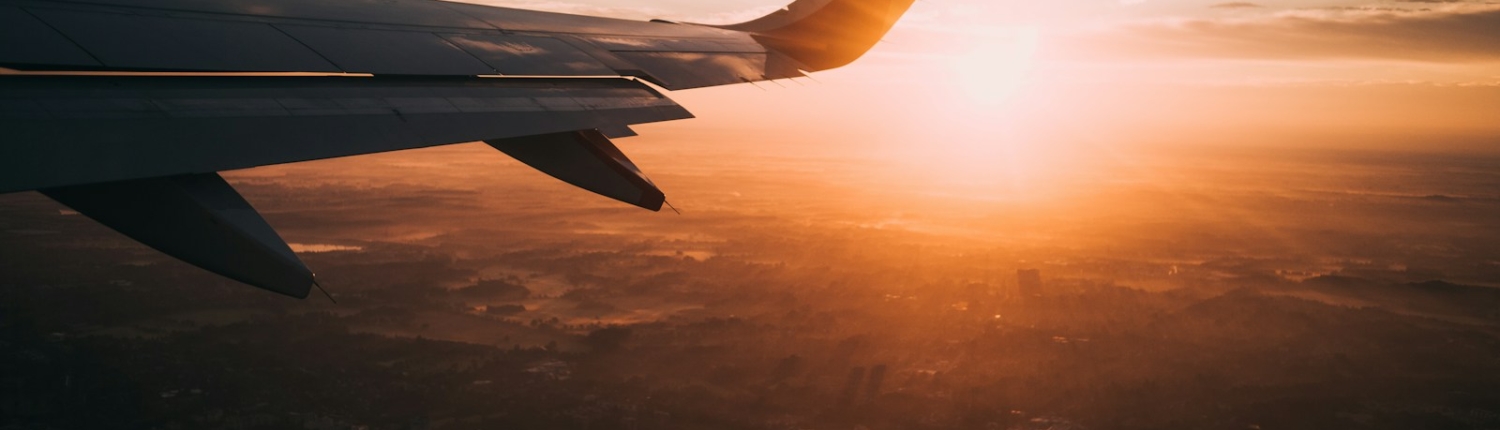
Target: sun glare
998, 65
976, 142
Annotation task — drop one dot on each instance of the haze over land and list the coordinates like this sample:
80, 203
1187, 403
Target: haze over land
1305, 291
1256, 216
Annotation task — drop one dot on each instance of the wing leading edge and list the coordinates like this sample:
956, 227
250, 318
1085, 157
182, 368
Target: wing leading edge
126, 109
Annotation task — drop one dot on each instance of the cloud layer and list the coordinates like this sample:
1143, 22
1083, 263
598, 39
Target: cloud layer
1451, 33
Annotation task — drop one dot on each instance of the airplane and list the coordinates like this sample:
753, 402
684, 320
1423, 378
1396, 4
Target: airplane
126, 110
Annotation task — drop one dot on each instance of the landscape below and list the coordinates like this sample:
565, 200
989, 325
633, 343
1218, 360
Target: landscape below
1177, 289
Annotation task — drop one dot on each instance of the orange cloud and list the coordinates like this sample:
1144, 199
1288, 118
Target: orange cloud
1457, 33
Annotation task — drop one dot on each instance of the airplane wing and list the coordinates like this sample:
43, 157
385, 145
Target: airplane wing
125, 110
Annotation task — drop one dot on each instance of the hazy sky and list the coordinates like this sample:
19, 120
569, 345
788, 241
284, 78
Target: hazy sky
1337, 66
1028, 87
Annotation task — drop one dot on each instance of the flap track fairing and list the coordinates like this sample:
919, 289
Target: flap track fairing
588, 160
196, 218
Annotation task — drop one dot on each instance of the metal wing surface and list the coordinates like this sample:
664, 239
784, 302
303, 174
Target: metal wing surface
431, 38
126, 110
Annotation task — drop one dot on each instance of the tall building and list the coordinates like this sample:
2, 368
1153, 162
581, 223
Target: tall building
872, 386
851, 386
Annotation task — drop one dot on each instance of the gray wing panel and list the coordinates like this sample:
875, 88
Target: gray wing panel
682, 70
158, 43
673, 55
678, 44
385, 37
77, 130
424, 13
388, 51
530, 55
28, 40
520, 20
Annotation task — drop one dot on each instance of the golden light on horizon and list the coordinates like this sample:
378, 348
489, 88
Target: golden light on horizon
1035, 104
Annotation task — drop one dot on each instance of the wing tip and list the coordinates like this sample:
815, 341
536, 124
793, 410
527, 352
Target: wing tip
826, 34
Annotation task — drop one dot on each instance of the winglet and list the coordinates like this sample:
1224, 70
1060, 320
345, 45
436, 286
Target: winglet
826, 34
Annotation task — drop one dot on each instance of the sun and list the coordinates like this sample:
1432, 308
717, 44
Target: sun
978, 141
997, 65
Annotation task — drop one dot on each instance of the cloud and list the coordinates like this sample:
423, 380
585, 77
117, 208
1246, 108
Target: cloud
1236, 5
1448, 33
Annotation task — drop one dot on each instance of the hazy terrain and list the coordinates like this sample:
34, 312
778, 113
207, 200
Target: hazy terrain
804, 286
